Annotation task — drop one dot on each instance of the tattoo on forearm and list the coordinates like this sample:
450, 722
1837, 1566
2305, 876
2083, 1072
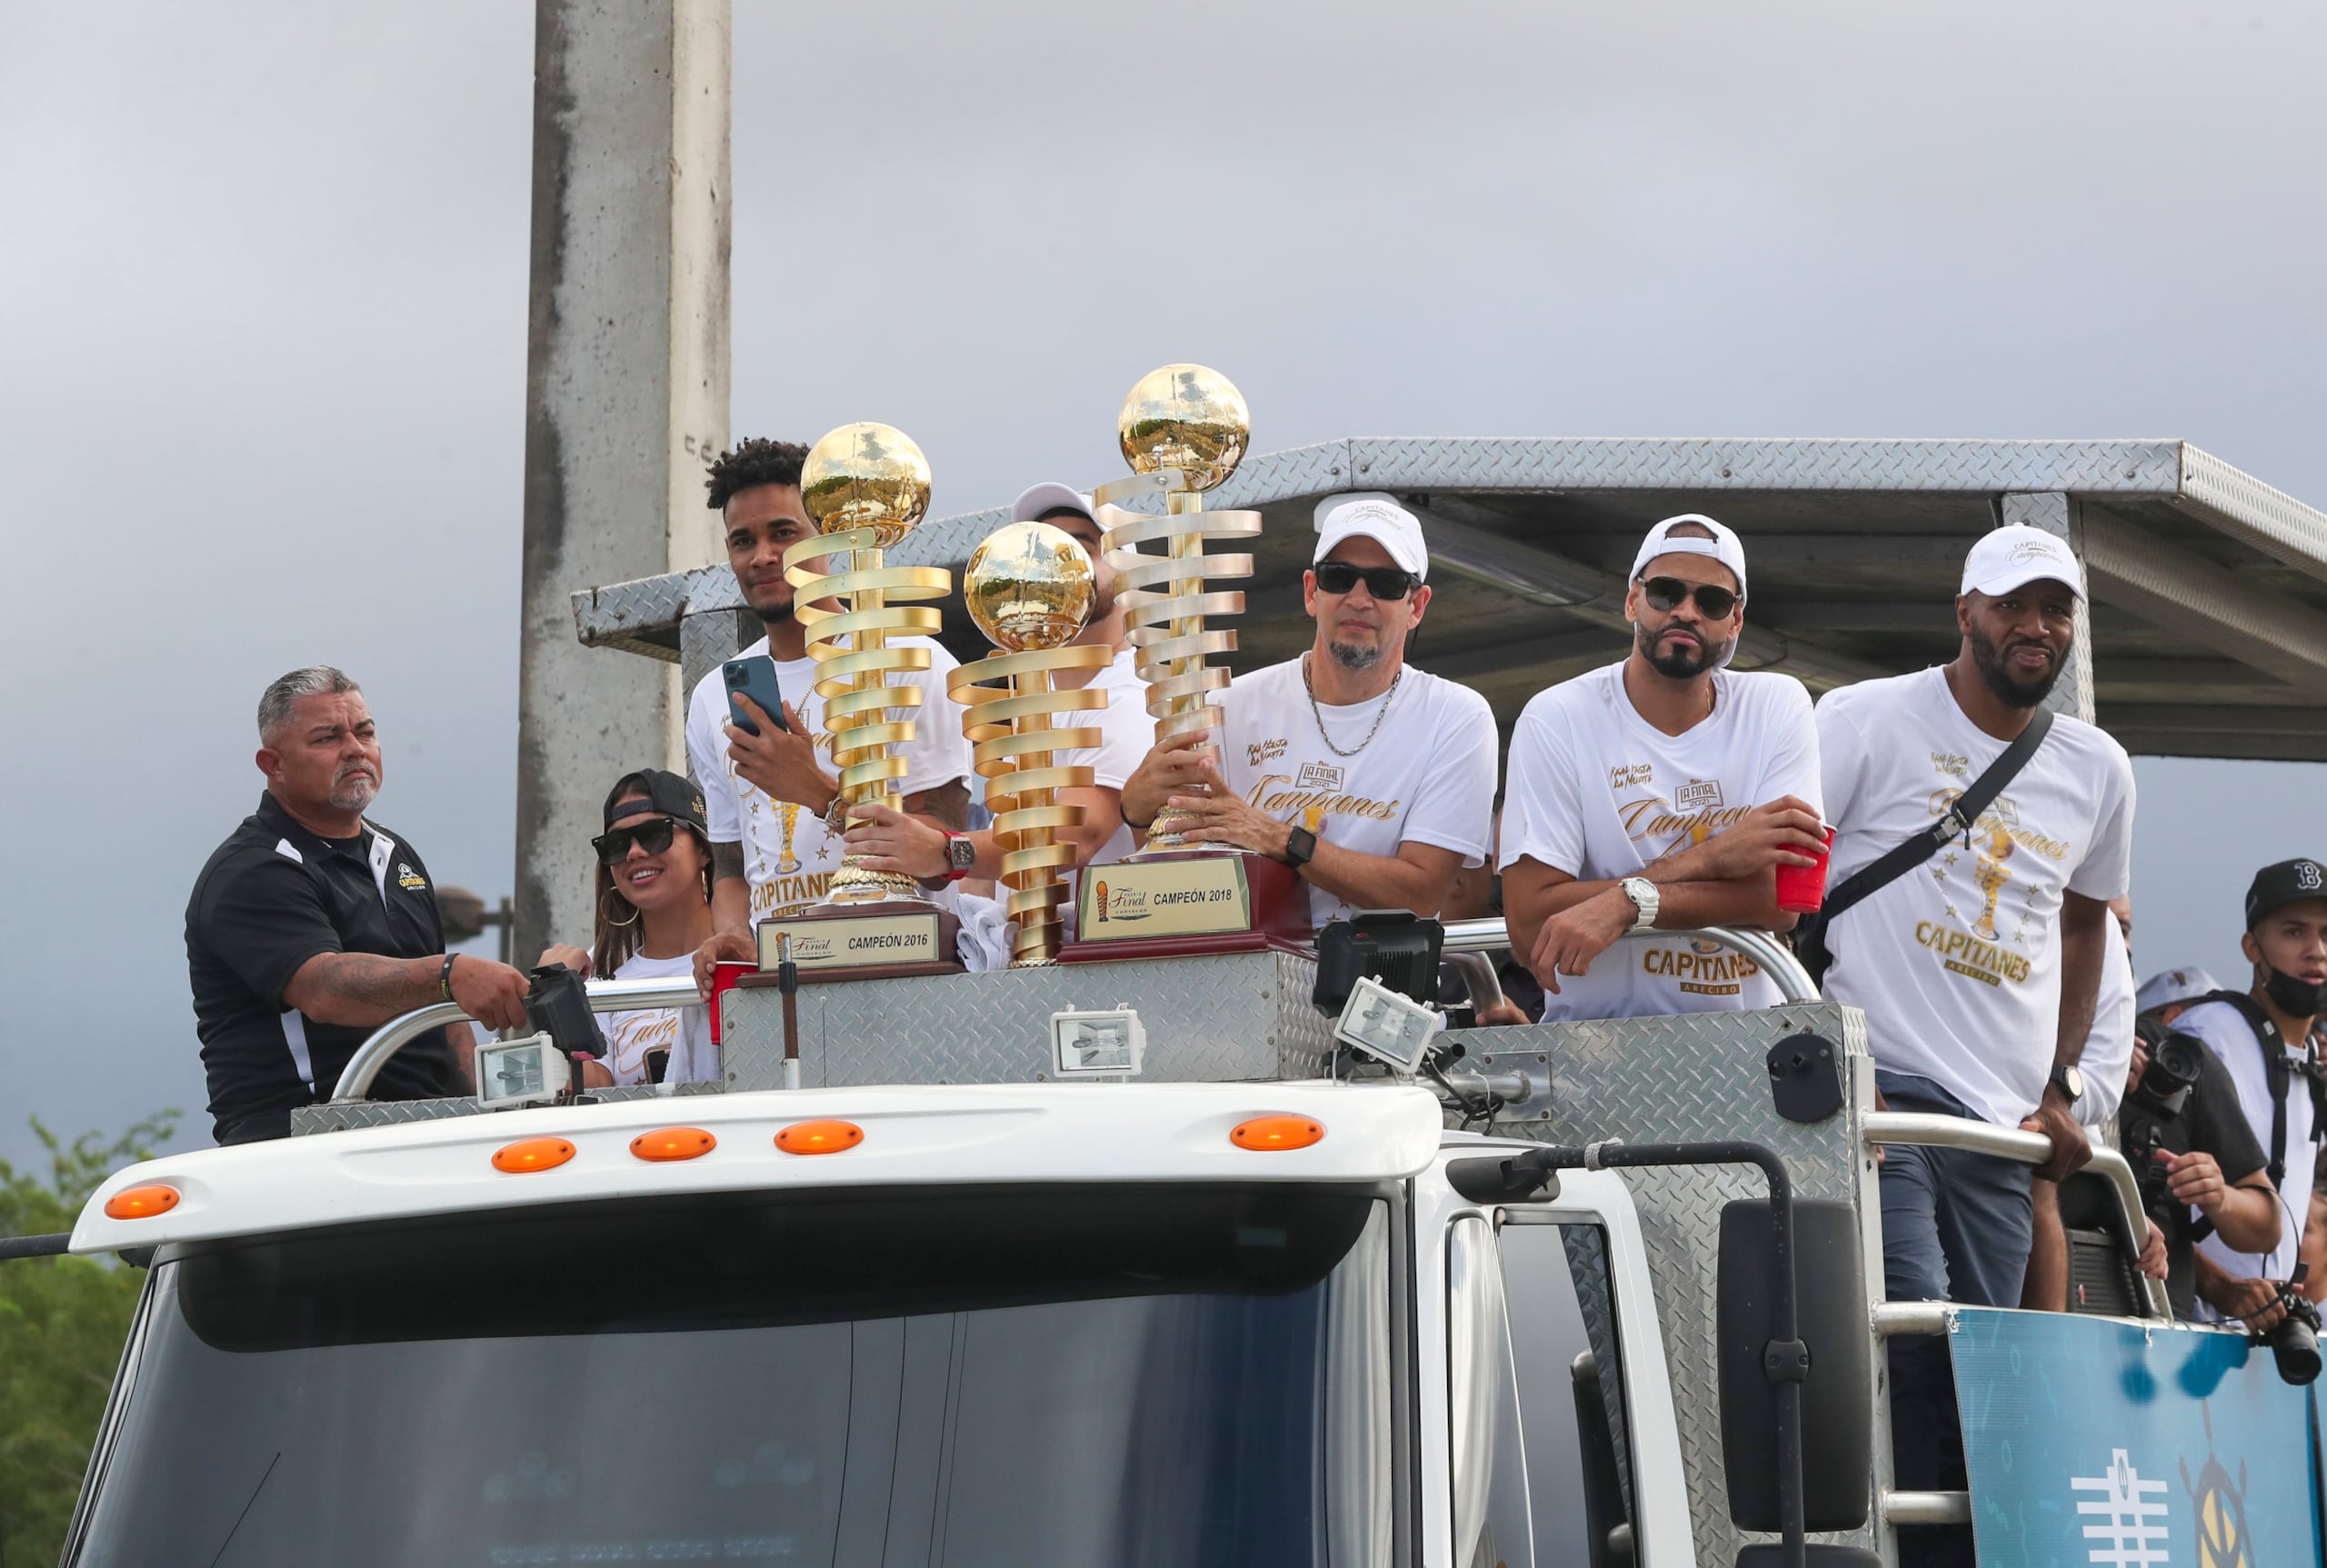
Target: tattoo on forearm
948, 804
726, 861
368, 979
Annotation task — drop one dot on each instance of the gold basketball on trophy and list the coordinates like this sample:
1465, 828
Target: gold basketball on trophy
1185, 416
1029, 586
866, 475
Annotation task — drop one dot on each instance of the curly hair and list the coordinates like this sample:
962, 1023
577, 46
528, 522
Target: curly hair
752, 462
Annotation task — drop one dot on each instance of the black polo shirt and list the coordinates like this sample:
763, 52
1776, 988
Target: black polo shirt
273, 896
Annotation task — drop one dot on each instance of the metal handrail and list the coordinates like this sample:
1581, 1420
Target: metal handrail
606, 996
2029, 1149
1766, 951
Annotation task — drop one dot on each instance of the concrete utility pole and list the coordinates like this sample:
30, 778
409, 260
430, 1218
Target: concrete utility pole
626, 401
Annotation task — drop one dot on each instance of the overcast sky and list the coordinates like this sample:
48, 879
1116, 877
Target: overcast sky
262, 337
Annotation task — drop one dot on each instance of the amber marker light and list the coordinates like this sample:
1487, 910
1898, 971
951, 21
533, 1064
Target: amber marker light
531, 1154
672, 1143
1276, 1132
819, 1137
141, 1202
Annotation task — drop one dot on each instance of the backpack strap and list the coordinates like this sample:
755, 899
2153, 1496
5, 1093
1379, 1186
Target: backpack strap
2277, 1070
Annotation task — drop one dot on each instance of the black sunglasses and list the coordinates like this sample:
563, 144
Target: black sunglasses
1665, 594
1382, 581
653, 836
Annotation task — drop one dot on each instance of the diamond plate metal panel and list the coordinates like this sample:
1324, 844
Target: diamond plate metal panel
340, 1118
2114, 467
1693, 1076
2250, 511
1225, 1018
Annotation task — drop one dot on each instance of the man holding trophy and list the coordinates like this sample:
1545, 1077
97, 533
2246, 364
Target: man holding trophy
1372, 779
771, 798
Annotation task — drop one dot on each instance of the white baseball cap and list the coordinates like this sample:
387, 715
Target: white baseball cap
2170, 985
1049, 496
1723, 546
2015, 555
1373, 514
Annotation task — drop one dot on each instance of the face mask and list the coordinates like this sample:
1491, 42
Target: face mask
2296, 998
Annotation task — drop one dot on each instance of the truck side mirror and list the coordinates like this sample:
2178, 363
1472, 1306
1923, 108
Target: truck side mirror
1837, 1396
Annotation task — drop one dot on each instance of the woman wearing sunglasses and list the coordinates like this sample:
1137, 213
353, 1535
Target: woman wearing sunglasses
654, 910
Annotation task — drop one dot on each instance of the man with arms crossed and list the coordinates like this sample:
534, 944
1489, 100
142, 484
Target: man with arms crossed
894, 841
1661, 791
1978, 968
2286, 941
1374, 779
769, 799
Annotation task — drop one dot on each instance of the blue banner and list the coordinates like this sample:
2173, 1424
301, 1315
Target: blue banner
2091, 1441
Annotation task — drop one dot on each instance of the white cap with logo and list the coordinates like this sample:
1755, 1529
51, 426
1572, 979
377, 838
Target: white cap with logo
2015, 555
1723, 546
1050, 496
2170, 985
1373, 514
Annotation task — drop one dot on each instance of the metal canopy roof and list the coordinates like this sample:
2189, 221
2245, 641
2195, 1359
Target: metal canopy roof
2210, 588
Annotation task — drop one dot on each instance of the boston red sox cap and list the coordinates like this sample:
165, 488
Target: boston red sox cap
2288, 882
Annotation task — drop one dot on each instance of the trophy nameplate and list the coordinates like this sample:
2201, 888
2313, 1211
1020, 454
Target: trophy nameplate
900, 934
1162, 906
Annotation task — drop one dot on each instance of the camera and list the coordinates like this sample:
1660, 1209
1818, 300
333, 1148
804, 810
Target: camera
2295, 1343
558, 1005
2173, 1071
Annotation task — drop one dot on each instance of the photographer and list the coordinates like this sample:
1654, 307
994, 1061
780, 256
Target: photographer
2262, 1036
2198, 1165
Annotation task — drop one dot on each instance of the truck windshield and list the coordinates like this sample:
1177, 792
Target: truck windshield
981, 1376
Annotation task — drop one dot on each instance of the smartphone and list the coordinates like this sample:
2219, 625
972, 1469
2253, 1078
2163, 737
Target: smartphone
753, 678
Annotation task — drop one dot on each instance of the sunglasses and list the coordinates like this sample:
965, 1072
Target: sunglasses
1382, 581
653, 836
1667, 593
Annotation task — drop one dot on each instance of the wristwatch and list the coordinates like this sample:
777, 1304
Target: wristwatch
1645, 899
960, 855
1300, 845
2069, 1079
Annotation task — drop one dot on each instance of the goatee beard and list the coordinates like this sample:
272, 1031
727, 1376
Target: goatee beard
353, 793
1350, 656
775, 615
1988, 658
1684, 660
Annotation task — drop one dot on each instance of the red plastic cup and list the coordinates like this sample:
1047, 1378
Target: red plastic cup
723, 975
1803, 888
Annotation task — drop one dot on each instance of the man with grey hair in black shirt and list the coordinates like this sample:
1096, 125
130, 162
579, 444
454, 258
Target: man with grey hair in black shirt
311, 926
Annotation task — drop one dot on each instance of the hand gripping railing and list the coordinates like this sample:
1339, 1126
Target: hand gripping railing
1766, 951
606, 996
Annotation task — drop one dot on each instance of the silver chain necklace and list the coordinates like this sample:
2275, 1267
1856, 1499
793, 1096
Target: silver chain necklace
1387, 698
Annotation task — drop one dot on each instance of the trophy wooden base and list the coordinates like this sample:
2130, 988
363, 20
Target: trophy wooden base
886, 937
1184, 902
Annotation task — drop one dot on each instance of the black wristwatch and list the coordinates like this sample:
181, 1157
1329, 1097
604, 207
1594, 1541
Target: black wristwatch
2069, 1079
1300, 845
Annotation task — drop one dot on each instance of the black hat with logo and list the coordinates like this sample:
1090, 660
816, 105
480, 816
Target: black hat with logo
2276, 886
667, 795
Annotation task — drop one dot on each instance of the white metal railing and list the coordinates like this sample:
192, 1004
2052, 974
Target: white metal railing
606, 996
1767, 952
2029, 1149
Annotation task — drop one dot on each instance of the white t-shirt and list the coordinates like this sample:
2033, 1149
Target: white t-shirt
2226, 1034
1957, 964
2109, 1044
1427, 776
1598, 792
684, 1032
1126, 733
789, 857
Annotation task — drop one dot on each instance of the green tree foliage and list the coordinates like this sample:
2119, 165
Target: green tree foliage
62, 1324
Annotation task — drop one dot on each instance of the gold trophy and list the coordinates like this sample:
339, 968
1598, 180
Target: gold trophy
1184, 429
866, 487
1029, 588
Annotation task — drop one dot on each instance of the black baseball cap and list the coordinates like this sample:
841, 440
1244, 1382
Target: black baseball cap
2276, 886
667, 795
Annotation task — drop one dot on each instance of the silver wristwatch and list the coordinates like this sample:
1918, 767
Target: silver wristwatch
1644, 897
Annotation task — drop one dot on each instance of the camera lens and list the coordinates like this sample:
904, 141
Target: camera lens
2294, 1345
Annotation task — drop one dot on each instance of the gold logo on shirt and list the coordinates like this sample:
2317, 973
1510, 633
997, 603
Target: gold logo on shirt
788, 861
1951, 764
1280, 802
1260, 751
408, 879
1989, 875
1629, 775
